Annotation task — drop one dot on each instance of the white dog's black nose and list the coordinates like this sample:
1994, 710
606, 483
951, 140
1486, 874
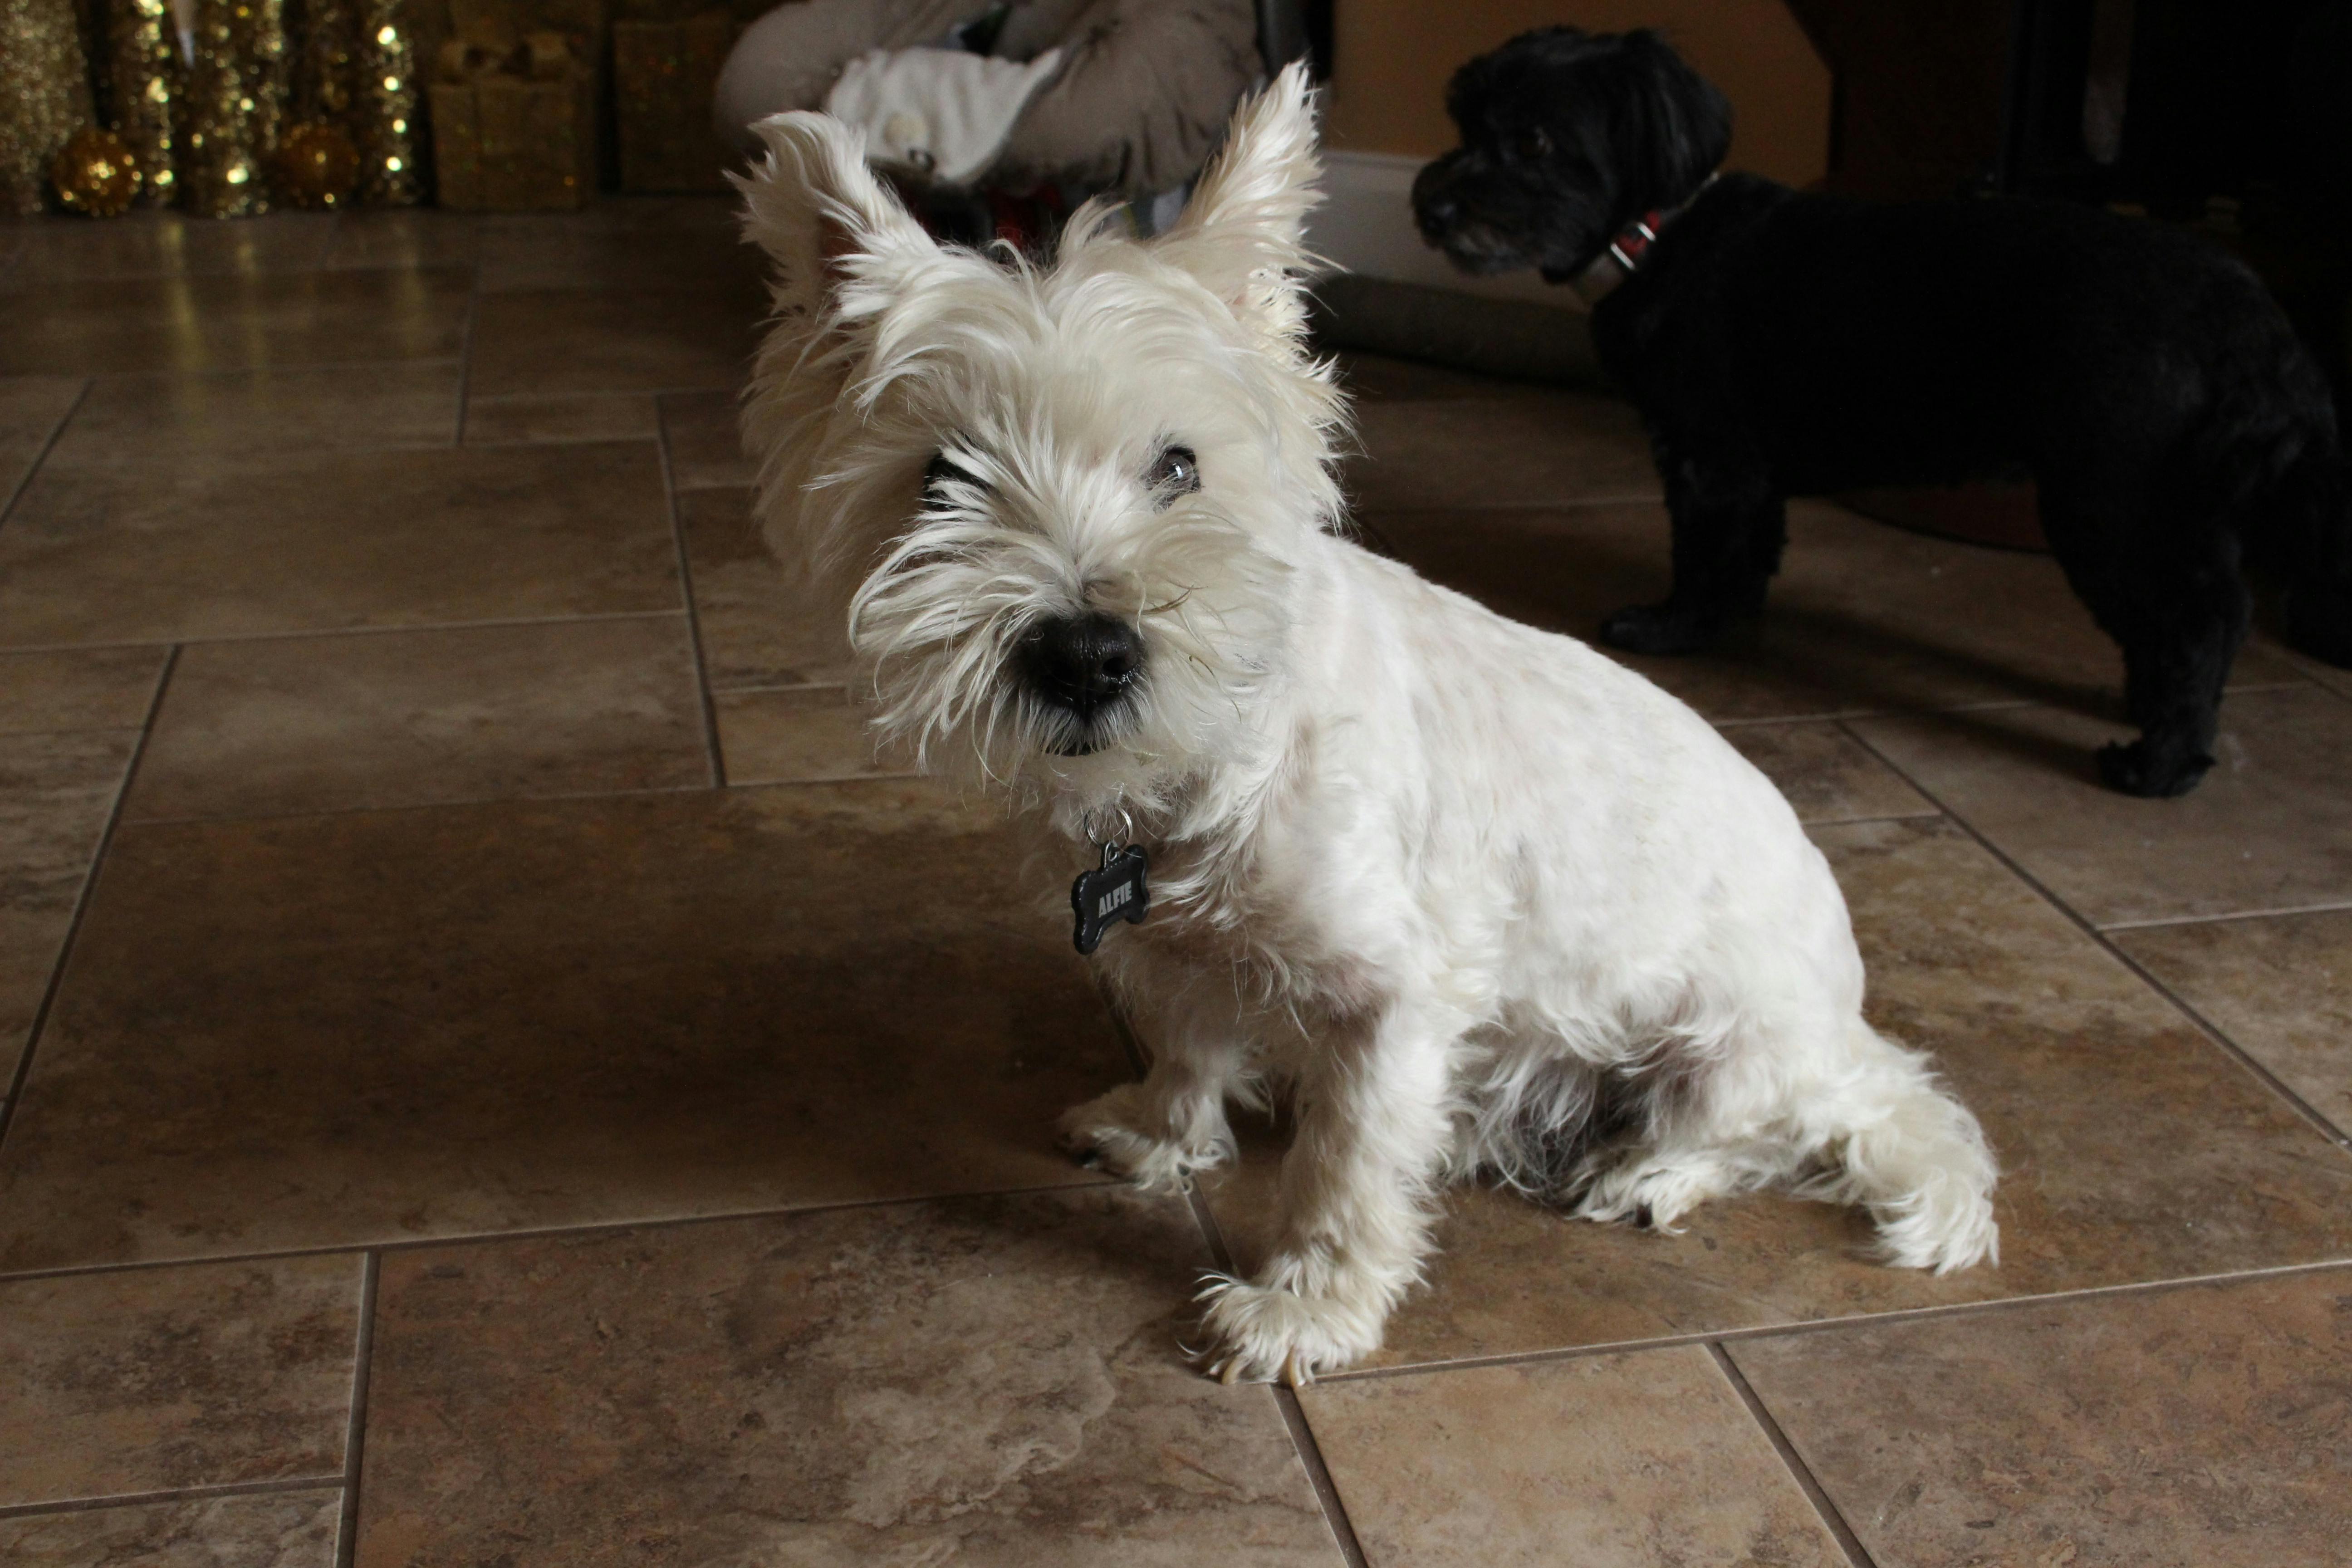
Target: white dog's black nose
1082, 663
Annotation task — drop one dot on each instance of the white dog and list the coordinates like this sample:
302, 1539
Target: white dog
1482, 899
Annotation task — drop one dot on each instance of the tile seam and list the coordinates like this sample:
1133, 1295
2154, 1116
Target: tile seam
39, 1026
40, 459
465, 351
2284, 912
297, 634
1823, 1505
347, 1523
168, 1495
714, 754
2228, 1046
322, 812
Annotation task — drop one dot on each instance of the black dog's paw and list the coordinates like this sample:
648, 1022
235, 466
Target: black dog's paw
1659, 628
2137, 769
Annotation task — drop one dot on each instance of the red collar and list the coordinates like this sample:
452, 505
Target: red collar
1632, 246
1633, 241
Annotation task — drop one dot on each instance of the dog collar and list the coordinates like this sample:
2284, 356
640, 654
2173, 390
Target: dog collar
1627, 252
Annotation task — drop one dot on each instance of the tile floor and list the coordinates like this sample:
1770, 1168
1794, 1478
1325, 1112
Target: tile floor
495, 1075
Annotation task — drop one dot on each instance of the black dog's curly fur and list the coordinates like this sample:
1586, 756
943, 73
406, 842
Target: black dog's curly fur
1780, 343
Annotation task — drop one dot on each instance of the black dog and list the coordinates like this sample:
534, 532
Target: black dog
1783, 344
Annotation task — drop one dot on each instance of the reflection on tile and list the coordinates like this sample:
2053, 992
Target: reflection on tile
277, 1530
2131, 1147
795, 734
625, 416
78, 689
173, 422
596, 340
1646, 1460
56, 792
407, 237
1542, 451
320, 540
190, 325
753, 633
1862, 618
31, 409
706, 449
2270, 828
990, 1379
292, 724
150, 244
636, 243
2279, 987
152, 1380
489, 1017
1827, 774
1382, 378
2201, 1428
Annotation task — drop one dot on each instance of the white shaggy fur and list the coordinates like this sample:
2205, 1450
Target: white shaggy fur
1482, 899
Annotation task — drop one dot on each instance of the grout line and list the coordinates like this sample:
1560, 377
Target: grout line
301, 632
2162, 922
1848, 1322
466, 349
686, 590
16, 1091
1286, 1400
347, 1528
2230, 1048
57, 434
330, 811
171, 1495
586, 1228
1848, 1542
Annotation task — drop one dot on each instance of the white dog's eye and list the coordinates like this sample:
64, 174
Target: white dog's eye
1175, 472
936, 474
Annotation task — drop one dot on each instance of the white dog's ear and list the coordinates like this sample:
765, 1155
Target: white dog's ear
820, 213
1244, 232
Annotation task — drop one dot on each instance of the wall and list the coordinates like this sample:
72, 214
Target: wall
1391, 59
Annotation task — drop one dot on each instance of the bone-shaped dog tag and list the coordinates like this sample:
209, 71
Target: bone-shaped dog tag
1115, 892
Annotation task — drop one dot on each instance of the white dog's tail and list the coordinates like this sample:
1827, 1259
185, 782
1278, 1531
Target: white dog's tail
1914, 1158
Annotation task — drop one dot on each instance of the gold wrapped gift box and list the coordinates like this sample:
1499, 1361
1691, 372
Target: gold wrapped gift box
514, 132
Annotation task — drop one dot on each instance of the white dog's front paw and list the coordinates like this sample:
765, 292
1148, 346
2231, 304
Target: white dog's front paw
1110, 1133
1260, 1333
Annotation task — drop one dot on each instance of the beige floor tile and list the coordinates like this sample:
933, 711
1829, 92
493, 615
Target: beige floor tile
1553, 451
409, 238
326, 540
56, 792
636, 243
796, 734
176, 422
753, 632
993, 1380
1647, 1461
316, 1031
706, 448
282, 1530
31, 409
1382, 378
622, 416
152, 244
78, 689
2279, 987
573, 341
2270, 828
190, 325
1862, 618
157, 1379
2132, 1148
1827, 774
2204, 1428
293, 724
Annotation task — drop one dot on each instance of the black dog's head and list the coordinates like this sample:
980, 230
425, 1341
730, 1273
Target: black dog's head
1567, 138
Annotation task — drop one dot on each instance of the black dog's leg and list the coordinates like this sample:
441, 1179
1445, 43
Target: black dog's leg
2179, 610
1729, 529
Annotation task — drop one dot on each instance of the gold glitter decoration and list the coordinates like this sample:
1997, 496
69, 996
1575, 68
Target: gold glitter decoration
389, 105
96, 175
236, 95
143, 47
317, 165
44, 95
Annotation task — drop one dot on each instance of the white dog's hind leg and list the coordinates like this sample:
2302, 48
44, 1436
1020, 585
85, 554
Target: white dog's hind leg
1158, 1132
1374, 1122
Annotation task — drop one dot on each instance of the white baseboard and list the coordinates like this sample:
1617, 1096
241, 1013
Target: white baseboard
1365, 225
